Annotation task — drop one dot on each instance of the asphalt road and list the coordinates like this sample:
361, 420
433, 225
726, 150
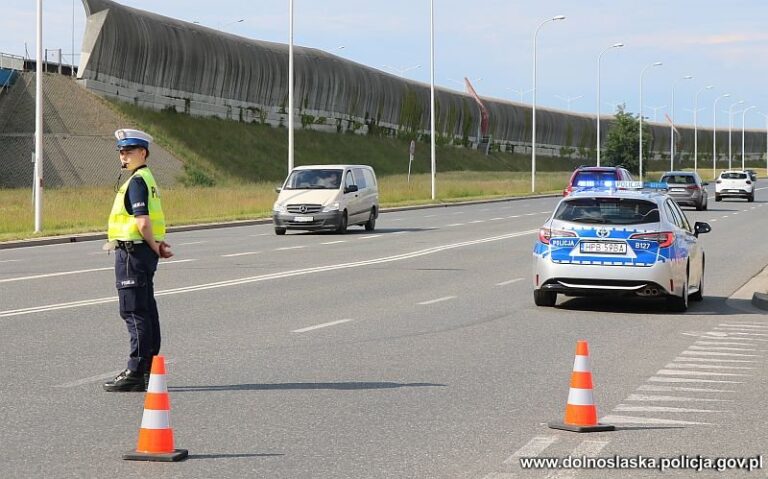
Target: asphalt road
412, 352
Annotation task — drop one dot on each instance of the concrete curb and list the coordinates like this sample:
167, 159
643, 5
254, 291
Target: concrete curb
78, 238
753, 292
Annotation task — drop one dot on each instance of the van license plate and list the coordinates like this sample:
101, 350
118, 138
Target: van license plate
303, 219
603, 247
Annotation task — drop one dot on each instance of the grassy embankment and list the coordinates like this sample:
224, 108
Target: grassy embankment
246, 161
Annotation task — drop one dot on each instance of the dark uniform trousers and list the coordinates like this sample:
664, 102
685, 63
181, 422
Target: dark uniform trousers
135, 266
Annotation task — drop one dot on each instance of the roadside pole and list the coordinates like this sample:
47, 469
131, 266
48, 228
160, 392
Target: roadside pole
411, 151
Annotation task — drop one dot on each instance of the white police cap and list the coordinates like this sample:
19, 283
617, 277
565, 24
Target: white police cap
127, 137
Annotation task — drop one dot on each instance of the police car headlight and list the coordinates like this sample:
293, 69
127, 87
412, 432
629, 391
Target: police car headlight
279, 208
332, 207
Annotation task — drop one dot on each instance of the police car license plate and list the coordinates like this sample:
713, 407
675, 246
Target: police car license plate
303, 219
604, 247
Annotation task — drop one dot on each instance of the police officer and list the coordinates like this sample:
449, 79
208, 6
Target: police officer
136, 233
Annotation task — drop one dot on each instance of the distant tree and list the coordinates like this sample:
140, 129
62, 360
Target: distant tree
622, 144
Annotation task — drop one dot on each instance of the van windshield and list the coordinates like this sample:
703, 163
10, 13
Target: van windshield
314, 180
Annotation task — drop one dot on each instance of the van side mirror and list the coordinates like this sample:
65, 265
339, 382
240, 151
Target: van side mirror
705, 183
350, 189
701, 227
278, 189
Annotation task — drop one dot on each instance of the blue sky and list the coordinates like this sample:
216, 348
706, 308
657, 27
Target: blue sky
724, 44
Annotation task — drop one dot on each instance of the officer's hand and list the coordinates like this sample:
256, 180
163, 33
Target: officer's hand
165, 250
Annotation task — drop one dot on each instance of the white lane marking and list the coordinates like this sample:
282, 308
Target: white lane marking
52, 275
614, 419
734, 214
476, 221
96, 378
286, 248
739, 333
260, 234
719, 348
544, 212
14, 260
323, 325
438, 300
177, 261
458, 213
496, 219
704, 366
589, 448
234, 255
721, 343
627, 408
645, 397
504, 283
654, 379
714, 360
334, 242
533, 448
675, 372
714, 353
742, 331
713, 220
454, 224
529, 214
653, 387
746, 325
272, 276
368, 237
513, 216
397, 219
191, 243
429, 216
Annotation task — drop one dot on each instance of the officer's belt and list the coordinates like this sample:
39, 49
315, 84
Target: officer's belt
128, 244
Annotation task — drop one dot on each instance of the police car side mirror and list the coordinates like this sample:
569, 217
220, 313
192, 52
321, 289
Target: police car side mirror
701, 227
278, 189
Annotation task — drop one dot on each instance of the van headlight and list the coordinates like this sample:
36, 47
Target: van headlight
279, 208
331, 207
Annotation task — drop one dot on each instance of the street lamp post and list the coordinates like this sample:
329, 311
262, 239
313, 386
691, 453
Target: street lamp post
672, 125
401, 71
432, 93
730, 131
38, 186
743, 149
290, 86
568, 100
695, 128
766, 140
642, 72
533, 105
615, 45
714, 133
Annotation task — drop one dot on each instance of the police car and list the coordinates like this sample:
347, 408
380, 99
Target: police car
626, 240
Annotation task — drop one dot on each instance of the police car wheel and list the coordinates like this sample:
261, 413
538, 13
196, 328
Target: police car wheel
544, 298
718, 198
751, 198
279, 231
679, 304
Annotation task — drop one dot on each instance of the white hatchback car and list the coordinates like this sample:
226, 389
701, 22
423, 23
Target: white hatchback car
735, 183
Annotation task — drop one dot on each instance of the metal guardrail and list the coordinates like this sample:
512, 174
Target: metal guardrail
11, 62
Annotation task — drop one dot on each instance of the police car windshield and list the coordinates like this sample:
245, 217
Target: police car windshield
314, 180
611, 211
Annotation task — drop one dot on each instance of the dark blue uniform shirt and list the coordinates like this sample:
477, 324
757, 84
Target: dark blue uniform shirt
137, 196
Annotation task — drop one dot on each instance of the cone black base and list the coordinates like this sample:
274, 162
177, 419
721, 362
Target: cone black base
176, 455
575, 428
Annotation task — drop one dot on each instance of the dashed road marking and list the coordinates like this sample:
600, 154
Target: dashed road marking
495, 219
454, 224
14, 260
286, 248
260, 234
628, 408
675, 372
438, 300
323, 325
704, 366
52, 275
715, 353
177, 261
657, 388
714, 360
656, 379
476, 221
504, 283
334, 242
368, 237
589, 448
533, 448
191, 243
245, 253
719, 348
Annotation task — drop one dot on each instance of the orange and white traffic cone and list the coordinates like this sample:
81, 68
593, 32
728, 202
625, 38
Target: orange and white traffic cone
580, 410
156, 436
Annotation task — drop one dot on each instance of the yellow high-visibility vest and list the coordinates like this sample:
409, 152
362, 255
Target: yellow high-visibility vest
122, 226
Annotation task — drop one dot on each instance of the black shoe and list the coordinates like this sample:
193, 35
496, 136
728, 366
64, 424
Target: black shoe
127, 381
146, 381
